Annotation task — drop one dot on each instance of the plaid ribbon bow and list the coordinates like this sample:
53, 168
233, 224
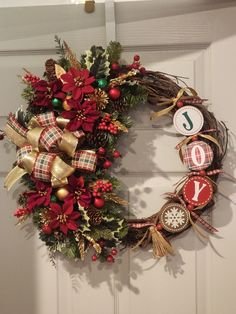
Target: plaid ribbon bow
46, 166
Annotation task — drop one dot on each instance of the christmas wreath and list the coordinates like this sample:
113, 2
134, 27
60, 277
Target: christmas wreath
67, 140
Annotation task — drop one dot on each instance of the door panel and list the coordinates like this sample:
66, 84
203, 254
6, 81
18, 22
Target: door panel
148, 169
200, 46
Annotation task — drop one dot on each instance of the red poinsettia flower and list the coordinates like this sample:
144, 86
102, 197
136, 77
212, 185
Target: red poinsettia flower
81, 116
78, 192
41, 196
46, 91
63, 217
78, 83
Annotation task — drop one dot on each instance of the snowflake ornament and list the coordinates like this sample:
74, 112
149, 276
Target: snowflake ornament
174, 217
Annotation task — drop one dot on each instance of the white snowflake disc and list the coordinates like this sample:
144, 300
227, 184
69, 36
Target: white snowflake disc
174, 217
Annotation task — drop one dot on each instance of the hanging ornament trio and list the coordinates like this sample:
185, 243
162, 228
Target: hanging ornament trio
67, 140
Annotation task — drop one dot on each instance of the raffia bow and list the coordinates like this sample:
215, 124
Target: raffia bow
173, 102
161, 247
35, 157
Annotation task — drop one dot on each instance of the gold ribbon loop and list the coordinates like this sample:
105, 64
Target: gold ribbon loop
60, 169
13, 176
14, 136
62, 122
200, 134
68, 143
28, 161
33, 137
173, 101
33, 123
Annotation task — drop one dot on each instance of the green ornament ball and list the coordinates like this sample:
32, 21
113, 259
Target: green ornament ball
54, 199
56, 103
102, 82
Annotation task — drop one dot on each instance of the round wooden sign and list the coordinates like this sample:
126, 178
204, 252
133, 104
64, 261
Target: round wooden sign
174, 217
197, 191
188, 120
198, 155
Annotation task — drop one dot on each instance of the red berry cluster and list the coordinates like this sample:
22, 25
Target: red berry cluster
136, 65
30, 78
20, 212
109, 257
101, 186
107, 125
115, 66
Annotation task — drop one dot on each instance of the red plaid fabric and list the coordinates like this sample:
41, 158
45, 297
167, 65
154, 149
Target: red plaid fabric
50, 136
12, 121
85, 160
204, 222
198, 155
193, 101
46, 119
43, 165
20, 154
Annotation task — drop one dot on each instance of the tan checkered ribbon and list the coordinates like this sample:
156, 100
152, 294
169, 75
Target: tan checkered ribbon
85, 160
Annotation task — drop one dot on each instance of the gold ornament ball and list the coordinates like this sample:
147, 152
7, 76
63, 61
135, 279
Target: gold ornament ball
62, 193
65, 104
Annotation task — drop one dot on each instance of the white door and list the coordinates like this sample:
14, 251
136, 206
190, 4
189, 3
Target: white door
194, 39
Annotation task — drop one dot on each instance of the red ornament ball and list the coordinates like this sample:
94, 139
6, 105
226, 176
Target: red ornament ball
99, 202
180, 104
142, 70
202, 173
101, 151
116, 154
46, 229
159, 227
114, 252
107, 164
190, 207
115, 66
114, 93
136, 58
94, 258
195, 138
110, 259
136, 65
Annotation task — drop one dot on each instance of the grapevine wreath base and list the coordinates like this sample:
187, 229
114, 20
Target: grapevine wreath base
66, 141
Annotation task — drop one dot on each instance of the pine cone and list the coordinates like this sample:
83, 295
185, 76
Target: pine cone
120, 105
50, 70
95, 217
98, 139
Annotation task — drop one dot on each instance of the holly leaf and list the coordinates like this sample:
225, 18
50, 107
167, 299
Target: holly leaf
96, 61
86, 225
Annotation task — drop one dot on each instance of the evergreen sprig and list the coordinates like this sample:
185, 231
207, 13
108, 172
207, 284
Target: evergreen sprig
114, 50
